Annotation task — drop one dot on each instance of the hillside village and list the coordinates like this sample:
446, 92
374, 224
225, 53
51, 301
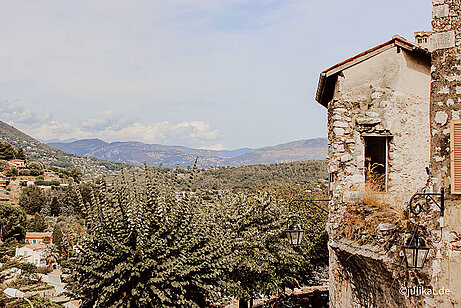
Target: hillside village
27, 237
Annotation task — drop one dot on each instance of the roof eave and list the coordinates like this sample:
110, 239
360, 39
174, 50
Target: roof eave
320, 87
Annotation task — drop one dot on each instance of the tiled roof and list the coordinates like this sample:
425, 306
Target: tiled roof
38, 234
396, 39
326, 83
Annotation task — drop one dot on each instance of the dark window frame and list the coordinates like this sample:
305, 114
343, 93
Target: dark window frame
376, 160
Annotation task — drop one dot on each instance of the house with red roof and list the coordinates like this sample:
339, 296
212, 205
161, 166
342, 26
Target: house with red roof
38, 237
3, 181
17, 163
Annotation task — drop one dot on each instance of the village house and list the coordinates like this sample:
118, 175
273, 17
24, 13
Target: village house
17, 163
32, 253
38, 237
394, 131
3, 181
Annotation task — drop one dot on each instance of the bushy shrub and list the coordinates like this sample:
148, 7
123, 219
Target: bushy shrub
24, 172
46, 183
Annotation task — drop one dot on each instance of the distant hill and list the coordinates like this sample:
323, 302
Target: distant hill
170, 156
138, 152
235, 153
50, 156
313, 173
310, 149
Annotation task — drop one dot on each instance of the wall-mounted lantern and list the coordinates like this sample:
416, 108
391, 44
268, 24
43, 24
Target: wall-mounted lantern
415, 248
415, 251
294, 231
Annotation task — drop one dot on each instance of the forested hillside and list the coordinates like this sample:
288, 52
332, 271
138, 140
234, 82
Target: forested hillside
311, 174
49, 156
306, 172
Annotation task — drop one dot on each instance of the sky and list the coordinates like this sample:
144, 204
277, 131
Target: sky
216, 74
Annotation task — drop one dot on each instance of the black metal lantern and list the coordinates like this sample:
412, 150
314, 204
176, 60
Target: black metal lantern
294, 233
415, 251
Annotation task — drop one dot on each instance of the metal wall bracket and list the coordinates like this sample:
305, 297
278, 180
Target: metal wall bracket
416, 207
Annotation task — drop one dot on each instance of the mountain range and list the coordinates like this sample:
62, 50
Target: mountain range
97, 157
170, 156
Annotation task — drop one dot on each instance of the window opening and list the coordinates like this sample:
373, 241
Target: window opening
331, 180
376, 163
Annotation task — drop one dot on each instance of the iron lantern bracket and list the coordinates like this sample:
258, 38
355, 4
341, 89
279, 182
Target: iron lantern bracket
416, 207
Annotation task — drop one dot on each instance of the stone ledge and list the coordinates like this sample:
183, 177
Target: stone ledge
374, 252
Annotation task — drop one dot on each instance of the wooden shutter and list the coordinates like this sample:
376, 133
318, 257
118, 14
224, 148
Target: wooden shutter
455, 157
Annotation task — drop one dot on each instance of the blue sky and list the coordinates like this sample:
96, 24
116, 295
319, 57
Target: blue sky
200, 73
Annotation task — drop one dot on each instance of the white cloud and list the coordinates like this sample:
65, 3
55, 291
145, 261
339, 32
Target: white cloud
215, 147
103, 120
15, 113
182, 133
109, 126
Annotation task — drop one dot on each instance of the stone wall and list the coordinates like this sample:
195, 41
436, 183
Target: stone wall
387, 95
446, 106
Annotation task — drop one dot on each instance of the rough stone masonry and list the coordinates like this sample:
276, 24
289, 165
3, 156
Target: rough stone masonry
384, 97
445, 107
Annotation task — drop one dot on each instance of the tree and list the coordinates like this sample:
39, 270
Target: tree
7, 151
4, 164
71, 201
150, 245
38, 223
58, 234
12, 222
36, 168
52, 254
32, 199
76, 174
66, 235
55, 206
265, 263
86, 190
20, 154
147, 246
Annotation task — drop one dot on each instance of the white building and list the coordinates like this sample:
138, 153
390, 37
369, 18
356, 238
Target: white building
34, 253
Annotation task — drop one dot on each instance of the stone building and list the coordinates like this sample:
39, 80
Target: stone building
394, 129
379, 149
